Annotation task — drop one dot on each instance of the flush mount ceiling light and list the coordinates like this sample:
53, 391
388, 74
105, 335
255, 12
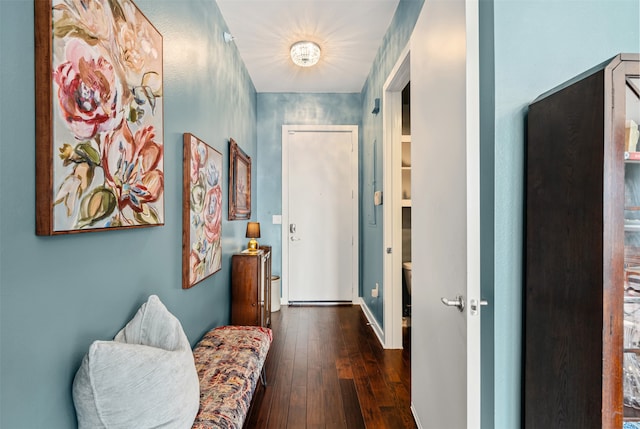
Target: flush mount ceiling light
305, 54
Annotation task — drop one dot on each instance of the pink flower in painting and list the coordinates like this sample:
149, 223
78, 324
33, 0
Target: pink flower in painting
88, 91
213, 214
198, 160
195, 266
132, 166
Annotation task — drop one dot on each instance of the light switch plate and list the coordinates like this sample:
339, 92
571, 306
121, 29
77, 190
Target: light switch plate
377, 198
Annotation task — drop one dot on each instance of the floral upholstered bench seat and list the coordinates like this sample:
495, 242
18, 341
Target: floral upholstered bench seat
229, 360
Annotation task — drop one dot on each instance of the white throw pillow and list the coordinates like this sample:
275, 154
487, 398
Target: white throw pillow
153, 325
145, 378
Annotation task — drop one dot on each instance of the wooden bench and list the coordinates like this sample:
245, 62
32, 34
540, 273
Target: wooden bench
229, 360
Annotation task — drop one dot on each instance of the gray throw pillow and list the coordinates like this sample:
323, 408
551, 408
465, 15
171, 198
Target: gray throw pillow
145, 378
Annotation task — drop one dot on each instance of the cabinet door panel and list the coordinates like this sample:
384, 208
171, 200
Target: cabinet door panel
250, 288
631, 307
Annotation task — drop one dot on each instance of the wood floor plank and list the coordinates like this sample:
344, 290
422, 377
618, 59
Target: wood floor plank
334, 414
352, 410
279, 412
280, 383
300, 352
297, 408
315, 397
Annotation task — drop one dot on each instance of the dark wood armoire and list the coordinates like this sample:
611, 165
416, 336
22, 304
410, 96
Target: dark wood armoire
582, 252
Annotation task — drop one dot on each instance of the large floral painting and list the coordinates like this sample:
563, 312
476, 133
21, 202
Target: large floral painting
99, 131
201, 211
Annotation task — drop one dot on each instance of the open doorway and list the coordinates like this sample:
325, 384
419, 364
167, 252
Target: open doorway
405, 167
393, 172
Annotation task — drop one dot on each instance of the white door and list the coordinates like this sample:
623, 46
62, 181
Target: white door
321, 205
446, 211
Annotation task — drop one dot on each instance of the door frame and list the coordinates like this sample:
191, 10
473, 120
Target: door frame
288, 130
472, 113
392, 190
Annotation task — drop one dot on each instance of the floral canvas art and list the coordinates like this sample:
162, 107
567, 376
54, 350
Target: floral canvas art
201, 211
99, 131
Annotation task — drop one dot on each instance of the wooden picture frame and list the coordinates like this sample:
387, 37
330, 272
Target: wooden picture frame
99, 117
201, 211
239, 183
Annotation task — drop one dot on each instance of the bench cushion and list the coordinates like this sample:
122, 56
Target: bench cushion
229, 360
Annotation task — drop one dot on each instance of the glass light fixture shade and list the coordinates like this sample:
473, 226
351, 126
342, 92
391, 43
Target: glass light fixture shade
305, 54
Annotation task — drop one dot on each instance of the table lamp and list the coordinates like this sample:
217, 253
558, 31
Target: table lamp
253, 232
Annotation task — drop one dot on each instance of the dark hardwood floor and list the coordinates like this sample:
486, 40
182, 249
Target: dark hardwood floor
326, 369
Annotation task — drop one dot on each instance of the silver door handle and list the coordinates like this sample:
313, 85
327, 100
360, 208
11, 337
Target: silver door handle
294, 238
458, 302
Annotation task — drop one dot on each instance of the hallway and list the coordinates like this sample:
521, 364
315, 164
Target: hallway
326, 369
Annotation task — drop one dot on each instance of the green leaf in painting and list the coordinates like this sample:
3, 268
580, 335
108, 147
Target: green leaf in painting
198, 192
67, 25
135, 114
95, 206
88, 153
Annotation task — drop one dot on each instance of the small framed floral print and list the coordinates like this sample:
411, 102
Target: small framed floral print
99, 117
201, 211
239, 183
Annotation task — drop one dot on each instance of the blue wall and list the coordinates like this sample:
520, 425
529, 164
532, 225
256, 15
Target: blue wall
58, 294
537, 45
371, 257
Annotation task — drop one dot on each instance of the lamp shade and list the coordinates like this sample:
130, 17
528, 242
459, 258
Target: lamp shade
253, 230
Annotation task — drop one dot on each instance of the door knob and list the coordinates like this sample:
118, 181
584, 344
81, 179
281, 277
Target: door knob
457, 302
294, 238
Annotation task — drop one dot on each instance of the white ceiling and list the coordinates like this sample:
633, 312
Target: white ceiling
349, 33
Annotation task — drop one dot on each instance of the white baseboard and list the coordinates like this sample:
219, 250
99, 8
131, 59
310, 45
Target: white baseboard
415, 417
372, 320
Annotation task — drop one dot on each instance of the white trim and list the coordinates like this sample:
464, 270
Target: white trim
286, 130
415, 416
392, 192
372, 320
473, 211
